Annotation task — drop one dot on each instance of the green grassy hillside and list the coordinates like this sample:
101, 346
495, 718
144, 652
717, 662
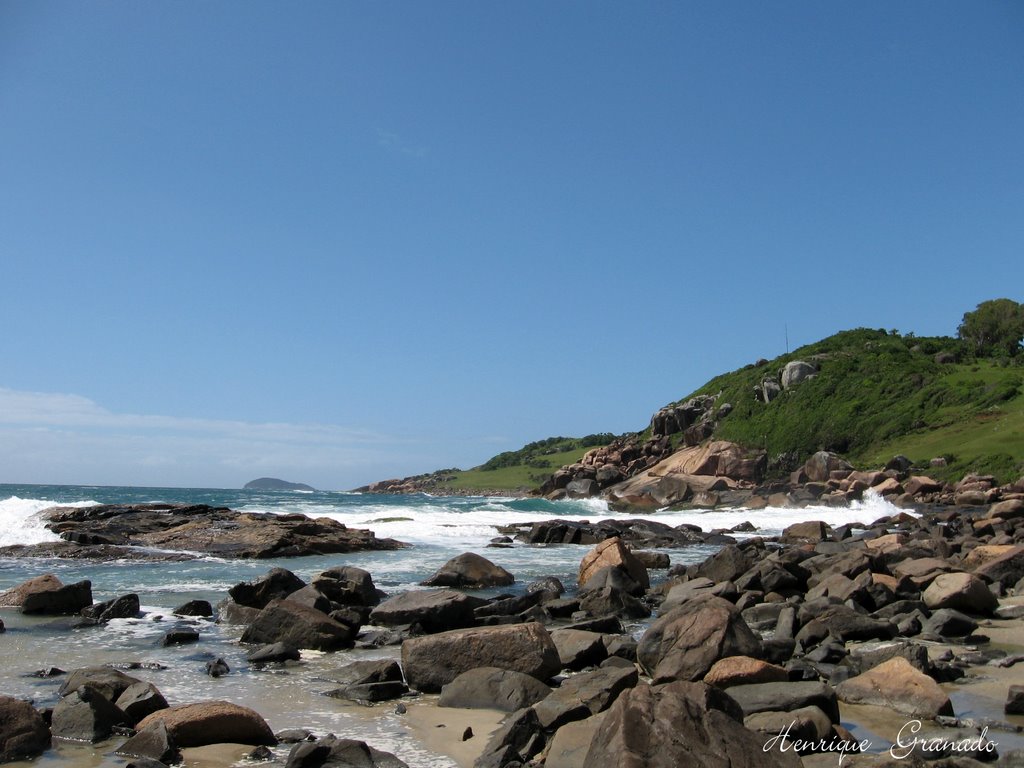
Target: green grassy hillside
877, 394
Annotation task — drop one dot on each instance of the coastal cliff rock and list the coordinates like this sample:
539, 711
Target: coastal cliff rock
216, 531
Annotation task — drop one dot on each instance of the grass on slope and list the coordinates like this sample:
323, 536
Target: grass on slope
877, 394
514, 477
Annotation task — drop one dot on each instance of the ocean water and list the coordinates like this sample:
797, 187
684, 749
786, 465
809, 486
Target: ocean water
436, 528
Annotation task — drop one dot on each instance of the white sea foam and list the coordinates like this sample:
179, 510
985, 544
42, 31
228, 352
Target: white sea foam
20, 522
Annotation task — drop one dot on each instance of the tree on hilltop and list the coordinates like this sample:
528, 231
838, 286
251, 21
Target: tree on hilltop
996, 327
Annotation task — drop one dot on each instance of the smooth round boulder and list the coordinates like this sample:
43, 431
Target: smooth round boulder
961, 592
686, 642
896, 684
212, 722
299, 626
469, 571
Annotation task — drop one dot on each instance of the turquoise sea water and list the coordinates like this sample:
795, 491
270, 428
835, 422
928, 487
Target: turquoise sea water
436, 528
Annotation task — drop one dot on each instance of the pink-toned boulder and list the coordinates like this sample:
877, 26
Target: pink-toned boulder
961, 592
212, 722
744, 670
612, 552
896, 684
920, 484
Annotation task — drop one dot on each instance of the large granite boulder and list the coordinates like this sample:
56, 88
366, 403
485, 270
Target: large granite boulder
469, 571
277, 584
896, 684
796, 371
583, 695
961, 592
680, 724
23, 732
819, 467
300, 626
107, 680
431, 611
212, 722
433, 661
347, 585
493, 688
86, 715
613, 553
743, 670
140, 700
785, 697
685, 643
48, 595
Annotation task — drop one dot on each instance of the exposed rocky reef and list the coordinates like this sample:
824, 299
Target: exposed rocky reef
110, 530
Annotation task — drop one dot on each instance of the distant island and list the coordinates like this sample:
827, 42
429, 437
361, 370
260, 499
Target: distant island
273, 484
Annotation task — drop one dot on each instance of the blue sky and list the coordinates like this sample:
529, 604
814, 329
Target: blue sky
336, 242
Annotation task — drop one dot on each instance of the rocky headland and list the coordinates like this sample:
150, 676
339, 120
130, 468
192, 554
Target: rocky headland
768, 652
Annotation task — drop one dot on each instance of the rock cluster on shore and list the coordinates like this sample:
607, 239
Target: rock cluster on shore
115, 531
763, 635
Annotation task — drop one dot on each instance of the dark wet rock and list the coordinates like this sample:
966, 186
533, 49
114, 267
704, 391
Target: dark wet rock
124, 607
86, 715
340, 753
153, 743
685, 643
208, 530
201, 608
493, 688
182, 636
47, 672
579, 648
728, 564
843, 623
212, 722
284, 621
217, 668
583, 695
23, 731
785, 697
653, 561
1014, 700
431, 611
277, 584
469, 571
899, 686
368, 671
311, 597
612, 600
678, 724
517, 740
139, 700
274, 653
370, 692
348, 585
230, 612
949, 623
546, 584
510, 606
433, 661
107, 680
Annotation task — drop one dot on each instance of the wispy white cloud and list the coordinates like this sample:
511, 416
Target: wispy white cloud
395, 143
66, 438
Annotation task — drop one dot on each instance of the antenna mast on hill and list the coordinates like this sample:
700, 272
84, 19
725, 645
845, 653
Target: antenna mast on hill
786, 326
